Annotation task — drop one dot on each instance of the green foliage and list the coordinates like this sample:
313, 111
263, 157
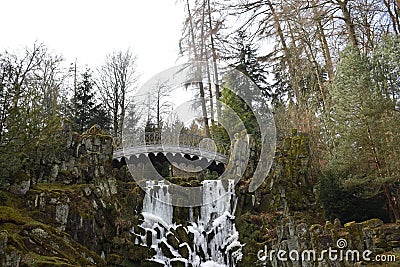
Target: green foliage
30, 124
342, 204
84, 110
23, 152
240, 108
245, 117
245, 60
365, 120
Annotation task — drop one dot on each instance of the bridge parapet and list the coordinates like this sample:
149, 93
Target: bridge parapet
168, 141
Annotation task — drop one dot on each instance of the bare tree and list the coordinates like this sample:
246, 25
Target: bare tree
159, 95
117, 78
198, 57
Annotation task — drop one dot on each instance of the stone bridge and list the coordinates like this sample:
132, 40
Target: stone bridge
189, 151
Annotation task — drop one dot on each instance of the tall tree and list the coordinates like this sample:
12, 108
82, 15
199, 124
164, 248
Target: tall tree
158, 103
243, 56
84, 109
29, 114
362, 125
117, 79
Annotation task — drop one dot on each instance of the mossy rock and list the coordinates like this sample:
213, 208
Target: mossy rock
114, 259
12, 215
380, 243
140, 253
95, 130
354, 229
44, 245
372, 223
316, 229
45, 261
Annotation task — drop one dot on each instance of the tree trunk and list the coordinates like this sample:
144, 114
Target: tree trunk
389, 199
198, 75
287, 59
324, 43
393, 16
349, 22
214, 59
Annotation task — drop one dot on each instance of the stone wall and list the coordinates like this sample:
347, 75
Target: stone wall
373, 235
80, 204
285, 213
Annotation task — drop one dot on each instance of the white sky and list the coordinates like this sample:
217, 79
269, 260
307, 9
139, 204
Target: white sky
89, 29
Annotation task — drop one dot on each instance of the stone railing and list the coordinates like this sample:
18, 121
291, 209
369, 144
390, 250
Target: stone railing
172, 139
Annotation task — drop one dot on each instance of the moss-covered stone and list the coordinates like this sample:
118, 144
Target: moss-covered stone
139, 253
41, 244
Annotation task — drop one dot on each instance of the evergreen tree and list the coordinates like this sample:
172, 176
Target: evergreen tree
361, 126
84, 110
244, 59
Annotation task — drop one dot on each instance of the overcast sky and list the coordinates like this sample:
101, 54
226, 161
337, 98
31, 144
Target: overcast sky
89, 29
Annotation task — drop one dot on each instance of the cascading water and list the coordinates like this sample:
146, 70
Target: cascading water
209, 239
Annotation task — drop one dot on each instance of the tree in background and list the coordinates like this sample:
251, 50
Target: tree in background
362, 120
243, 56
117, 79
158, 104
301, 45
84, 109
30, 123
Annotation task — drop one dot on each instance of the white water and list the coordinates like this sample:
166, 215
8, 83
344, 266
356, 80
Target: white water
215, 238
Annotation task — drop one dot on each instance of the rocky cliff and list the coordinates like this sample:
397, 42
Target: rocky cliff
79, 211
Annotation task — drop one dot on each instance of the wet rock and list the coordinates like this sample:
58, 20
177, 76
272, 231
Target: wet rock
182, 235
165, 250
171, 239
184, 250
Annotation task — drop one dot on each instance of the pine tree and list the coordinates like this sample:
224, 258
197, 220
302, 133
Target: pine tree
244, 59
84, 110
360, 126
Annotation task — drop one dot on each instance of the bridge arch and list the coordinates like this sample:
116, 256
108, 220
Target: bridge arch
187, 152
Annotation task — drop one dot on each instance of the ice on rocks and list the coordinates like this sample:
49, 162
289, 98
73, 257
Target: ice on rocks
215, 238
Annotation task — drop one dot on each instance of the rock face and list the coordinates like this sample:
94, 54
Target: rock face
78, 211
347, 243
288, 190
285, 214
27, 242
87, 157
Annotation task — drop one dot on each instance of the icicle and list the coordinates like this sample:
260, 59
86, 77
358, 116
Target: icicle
215, 238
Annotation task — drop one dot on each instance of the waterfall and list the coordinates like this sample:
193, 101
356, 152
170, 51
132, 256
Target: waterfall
210, 237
